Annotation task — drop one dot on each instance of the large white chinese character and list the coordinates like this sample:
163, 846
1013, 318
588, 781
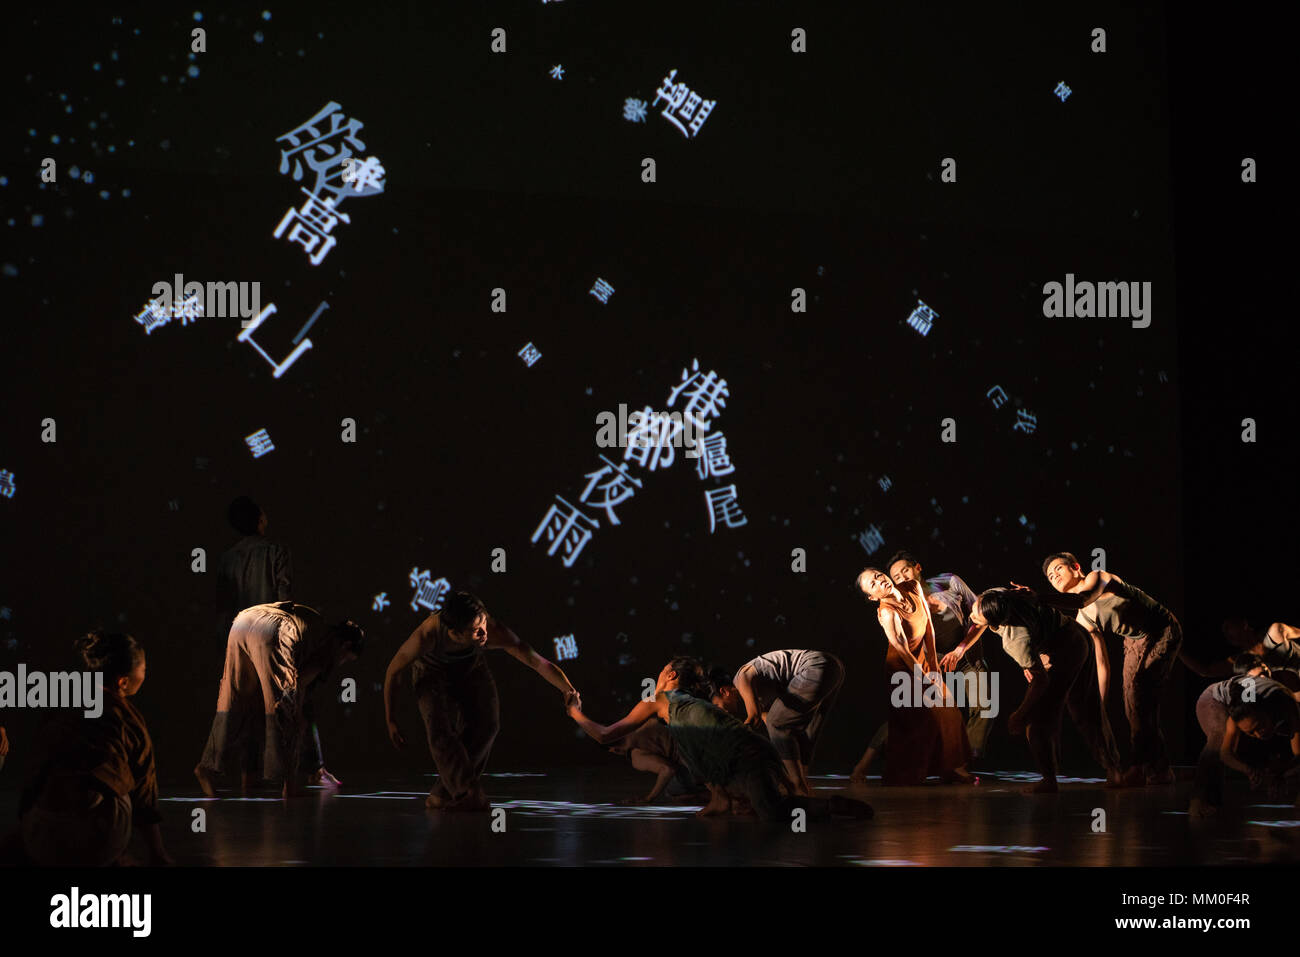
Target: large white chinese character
602, 290
566, 648
428, 594
650, 439
309, 143
707, 396
565, 528
154, 315
681, 100
188, 308
723, 505
616, 490
260, 443
714, 461
247, 336
316, 219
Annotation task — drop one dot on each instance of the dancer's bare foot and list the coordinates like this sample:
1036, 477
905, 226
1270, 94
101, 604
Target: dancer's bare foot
1200, 809
960, 776
1114, 779
247, 782
714, 808
1042, 787
1134, 778
475, 800
322, 778
205, 782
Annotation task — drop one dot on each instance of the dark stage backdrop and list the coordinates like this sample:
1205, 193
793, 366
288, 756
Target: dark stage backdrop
819, 171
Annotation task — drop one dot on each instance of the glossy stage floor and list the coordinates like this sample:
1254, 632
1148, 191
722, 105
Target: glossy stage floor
569, 818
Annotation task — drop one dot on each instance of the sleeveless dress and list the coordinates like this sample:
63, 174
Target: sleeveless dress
922, 741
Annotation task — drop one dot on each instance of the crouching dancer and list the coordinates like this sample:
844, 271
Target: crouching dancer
717, 748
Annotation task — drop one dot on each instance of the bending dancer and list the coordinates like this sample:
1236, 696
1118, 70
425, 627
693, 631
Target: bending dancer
93, 779
1057, 658
922, 740
276, 656
652, 748
457, 696
1213, 711
1107, 605
717, 748
1278, 645
4, 745
956, 638
793, 693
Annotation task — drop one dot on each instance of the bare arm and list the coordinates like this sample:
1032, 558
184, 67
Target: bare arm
889, 622
745, 685
642, 712
1228, 750
1216, 669
1282, 632
410, 650
499, 636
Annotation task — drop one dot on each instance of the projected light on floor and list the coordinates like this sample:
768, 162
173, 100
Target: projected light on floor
1276, 823
998, 848
648, 812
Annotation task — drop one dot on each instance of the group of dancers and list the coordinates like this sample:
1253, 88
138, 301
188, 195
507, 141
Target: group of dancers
742, 742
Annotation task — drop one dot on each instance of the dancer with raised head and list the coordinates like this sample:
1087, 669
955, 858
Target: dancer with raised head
457, 695
925, 738
93, 779
1059, 665
1107, 605
717, 748
276, 656
1278, 645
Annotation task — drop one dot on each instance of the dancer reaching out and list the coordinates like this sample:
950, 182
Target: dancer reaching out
717, 748
457, 696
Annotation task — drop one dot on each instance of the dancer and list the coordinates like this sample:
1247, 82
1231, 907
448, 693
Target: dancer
277, 655
4, 746
457, 696
1213, 712
1278, 645
652, 748
922, 740
1057, 658
717, 748
792, 692
93, 779
1107, 605
956, 638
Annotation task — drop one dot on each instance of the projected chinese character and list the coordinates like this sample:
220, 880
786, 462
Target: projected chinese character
871, 540
707, 395
260, 443
565, 528
634, 111
381, 602
316, 219
999, 398
154, 315
529, 354
684, 103
1062, 90
885, 483
650, 441
557, 72
320, 146
617, 489
7, 483
922, 318
714, 461
1026, 422
602, 290
428, 594
187, 309
369, 173
722, 505
566, 648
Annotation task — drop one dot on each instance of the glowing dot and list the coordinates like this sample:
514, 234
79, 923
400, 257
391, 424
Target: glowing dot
31, 132
94, 66
4, 180
63, 98
103, 194
113, 56
163, 78
112, 148
121, 82
54, 138
266, 14
37, 219
75, 172
302, 53
126, 193
88, 177
257, 37
197, 16
68, 108
193, 71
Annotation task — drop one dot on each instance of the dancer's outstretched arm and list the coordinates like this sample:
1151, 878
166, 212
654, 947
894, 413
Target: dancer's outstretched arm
499, 636
745, 686
639, 715
406, 654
